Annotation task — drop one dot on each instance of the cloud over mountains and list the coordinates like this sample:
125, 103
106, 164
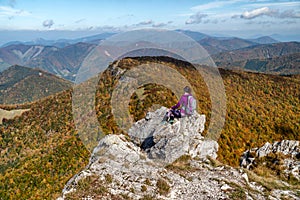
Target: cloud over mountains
266, 11
196, 18
48, 23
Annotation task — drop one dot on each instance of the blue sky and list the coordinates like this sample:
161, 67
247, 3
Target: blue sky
224, 17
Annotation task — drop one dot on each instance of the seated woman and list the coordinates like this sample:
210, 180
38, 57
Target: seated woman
180, 109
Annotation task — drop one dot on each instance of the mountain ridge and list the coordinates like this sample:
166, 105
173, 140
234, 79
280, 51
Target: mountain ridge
262, 58
60, 43
19, 85
65, 60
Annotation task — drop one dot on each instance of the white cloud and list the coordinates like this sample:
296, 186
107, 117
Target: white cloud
105, 28
214, 4
214, 21
147, 22
48, 23
196, 18
184, 15
269, 12
159, 25
289, 14
282, 5
257, 12
6, 11
80, 20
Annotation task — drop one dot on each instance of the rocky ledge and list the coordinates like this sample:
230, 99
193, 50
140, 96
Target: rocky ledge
163, 161
287, 156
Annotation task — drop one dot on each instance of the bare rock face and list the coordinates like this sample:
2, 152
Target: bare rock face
168, 142
289, 148
134, 176
121, 159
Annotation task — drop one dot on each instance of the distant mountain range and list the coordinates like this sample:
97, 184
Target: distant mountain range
197, 36
20, 85
279, 58
64, 62
63, 57
60, 43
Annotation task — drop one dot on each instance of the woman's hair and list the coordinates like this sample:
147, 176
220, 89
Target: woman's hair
187, 89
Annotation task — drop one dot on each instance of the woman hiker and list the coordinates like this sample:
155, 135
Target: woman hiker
185, 106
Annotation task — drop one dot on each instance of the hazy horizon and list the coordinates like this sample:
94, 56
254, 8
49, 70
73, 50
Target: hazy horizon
52, 20
7, 36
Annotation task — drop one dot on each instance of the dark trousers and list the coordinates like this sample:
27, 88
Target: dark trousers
171, 115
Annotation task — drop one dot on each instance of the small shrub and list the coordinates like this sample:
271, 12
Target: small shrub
190, 179
237, 194
147, 182
125, 196
213, 162
88, 186
163, 187
132, 190
144, 188
182, 163
108, 178
147, 197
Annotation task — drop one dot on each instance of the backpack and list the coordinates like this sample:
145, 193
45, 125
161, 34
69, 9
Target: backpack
191, 105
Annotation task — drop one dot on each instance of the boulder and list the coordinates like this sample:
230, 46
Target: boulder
168, 142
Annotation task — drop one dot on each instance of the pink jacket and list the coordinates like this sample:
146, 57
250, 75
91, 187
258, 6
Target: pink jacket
183, 101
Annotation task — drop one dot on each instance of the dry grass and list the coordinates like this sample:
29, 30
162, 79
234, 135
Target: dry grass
181, 164
147, 197
214, 163
88, 186
163, 187
266, 178
271, 169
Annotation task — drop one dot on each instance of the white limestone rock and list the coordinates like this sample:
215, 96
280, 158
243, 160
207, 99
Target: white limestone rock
168, 142
286, 147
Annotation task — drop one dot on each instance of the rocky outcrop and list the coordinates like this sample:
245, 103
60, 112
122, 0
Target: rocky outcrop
134, 176
168, 142
163, 161
289, 148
